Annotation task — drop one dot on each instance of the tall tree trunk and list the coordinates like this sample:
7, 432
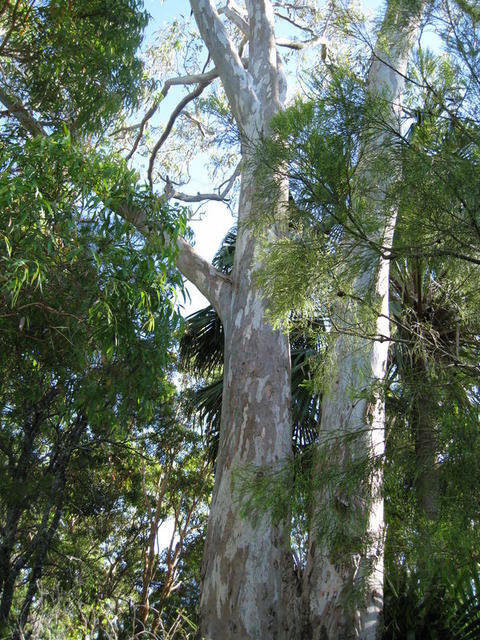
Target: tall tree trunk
245, 569
245, 559
9, 569
343, 579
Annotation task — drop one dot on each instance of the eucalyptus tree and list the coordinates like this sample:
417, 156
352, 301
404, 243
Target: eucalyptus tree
247, 576
201, 356
244, 587
353, 411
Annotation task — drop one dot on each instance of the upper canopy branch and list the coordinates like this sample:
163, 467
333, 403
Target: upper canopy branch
196, 78
221, 196
17, 110
213, 284
171, 121
293, 22
234, 14
300, 45
237, 82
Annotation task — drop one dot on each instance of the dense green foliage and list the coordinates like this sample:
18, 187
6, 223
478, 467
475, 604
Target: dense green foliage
72, 63
93, 454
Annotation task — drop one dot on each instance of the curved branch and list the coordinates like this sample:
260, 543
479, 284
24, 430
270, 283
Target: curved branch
234, 14
171, 121
197, 78
16, 109
282, 16
221, 196
213, 284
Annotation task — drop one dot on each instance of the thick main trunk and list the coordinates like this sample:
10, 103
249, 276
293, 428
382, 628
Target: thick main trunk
246, 557
246, 570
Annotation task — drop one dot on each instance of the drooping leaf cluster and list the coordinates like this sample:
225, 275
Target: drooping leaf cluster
432, 170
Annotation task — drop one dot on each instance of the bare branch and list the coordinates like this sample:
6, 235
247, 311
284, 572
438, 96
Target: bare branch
230, 181
294, 23
234, 14
171, 121
194, 78
16, 109
299, 45
198, 78
199, 197
221, 196
213, 284
142, 124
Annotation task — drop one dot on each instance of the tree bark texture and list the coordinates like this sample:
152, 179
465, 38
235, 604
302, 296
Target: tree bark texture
245, 571
343, 579
244, 562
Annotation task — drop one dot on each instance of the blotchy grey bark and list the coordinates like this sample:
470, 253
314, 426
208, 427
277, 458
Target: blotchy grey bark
245, 559
245, 570
343, 579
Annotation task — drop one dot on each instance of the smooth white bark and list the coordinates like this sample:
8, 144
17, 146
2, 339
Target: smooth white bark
343, 588
246, 571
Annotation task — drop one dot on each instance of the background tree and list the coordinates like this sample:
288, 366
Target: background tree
87, 308
433, 264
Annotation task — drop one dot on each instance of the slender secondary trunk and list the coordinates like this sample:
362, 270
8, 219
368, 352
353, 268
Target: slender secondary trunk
424, 423
343, 579
9, 569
